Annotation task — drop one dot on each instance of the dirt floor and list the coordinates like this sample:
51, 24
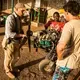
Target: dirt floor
28, 63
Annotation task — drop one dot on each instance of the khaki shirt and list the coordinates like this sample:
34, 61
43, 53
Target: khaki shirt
71, 36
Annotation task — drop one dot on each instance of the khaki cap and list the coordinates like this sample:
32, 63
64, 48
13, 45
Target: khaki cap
19, 5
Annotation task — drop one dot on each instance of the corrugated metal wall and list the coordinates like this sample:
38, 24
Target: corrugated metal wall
0, 5
6, 4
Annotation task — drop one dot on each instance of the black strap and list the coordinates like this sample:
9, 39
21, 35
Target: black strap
16, 25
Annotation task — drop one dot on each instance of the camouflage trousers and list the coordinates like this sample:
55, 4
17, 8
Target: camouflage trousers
64, 73
61, 73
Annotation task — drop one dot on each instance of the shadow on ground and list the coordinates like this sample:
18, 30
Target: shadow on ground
23, 66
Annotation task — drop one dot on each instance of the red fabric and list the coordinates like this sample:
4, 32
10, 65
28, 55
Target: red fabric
48, 23
57, 25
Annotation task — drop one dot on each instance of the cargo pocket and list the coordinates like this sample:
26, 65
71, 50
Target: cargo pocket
11, 47
4, 43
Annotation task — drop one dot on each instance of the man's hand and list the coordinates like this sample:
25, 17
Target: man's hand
20, 36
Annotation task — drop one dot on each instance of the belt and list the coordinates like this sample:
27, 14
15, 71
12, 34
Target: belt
9, 40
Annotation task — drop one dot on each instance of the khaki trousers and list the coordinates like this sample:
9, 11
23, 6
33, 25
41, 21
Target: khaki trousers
11, 55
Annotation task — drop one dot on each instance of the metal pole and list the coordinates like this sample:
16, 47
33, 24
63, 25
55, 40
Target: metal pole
18, 1
12, 5
7, 4
38, 16
1, 5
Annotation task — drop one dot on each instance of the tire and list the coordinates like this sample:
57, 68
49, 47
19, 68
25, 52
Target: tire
46, 66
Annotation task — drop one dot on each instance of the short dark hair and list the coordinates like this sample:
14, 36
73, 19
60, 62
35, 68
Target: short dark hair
56, 13
72, 7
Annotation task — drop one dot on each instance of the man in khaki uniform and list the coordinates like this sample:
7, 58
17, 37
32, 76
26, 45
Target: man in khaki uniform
12, 39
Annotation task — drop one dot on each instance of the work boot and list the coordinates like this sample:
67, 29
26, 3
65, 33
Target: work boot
10, 75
